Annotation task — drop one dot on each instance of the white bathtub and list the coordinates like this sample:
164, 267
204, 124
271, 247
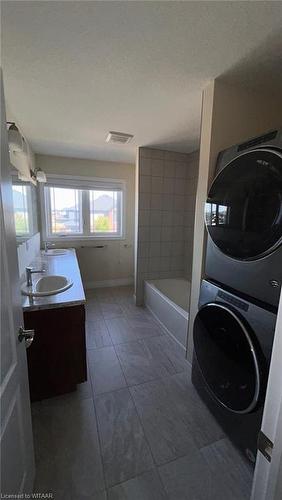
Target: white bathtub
168, 301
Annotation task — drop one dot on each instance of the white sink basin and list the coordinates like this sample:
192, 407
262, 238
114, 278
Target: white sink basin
55, 251
47, 285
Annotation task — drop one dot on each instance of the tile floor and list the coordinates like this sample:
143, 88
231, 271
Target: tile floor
136, 430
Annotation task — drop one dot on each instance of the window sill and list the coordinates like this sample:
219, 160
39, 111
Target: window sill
22, 239
84, 238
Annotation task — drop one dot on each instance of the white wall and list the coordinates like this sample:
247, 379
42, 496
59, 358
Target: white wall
230, 114
113, 264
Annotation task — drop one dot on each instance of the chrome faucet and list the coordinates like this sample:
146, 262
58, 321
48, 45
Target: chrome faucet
47, 245
29, 271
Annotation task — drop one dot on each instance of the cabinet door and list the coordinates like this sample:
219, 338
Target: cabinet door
57, 357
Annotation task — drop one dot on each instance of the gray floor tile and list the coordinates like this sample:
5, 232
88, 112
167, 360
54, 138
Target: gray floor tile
98, 496
106, 298
123, 330
93, 312
201, 424
171, 349
226, 463
97, 335
124, 295
189, 478
165, 427
174, 418
147, 486
105, 370
91, 297
125, 451
90, 294
134, 312
144, 320
68, 494
67, 448
120, 331
140, 365
92, 301
110, 310
215, 472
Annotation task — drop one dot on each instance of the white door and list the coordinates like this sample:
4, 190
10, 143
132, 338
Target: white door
267, 483
17, 458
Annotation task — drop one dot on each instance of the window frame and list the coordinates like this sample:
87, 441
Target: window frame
84, 184
31, 221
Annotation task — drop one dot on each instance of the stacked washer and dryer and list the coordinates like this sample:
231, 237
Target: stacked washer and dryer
234, 328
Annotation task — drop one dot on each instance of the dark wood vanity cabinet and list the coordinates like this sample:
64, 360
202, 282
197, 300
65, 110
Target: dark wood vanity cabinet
57, 356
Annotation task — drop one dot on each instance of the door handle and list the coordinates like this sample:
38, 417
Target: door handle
27, 335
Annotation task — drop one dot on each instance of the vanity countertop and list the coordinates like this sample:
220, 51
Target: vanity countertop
65, 265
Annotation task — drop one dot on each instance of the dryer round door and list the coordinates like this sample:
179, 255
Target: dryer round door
243, 211
227, 358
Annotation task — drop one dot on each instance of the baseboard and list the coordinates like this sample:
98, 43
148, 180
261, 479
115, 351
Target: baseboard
108, 283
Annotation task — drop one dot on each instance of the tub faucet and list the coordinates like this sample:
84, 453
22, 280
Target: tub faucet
29, 271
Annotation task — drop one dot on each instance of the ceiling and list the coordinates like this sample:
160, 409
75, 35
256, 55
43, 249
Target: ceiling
75, 70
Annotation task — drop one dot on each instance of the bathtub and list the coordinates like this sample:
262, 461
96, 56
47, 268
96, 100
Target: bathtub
168, 301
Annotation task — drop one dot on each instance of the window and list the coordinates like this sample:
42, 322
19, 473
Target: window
105, 212
24, 201
65, 210
82, 208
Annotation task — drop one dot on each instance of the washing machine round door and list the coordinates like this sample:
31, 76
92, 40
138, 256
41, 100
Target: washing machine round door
227, 358
243, 211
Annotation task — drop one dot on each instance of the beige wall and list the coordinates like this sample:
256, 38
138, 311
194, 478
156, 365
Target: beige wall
230, 114
115, 262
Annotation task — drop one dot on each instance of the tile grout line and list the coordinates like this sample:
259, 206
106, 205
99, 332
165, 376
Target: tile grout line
169, 375
128, 385
148, 443
136, 477
99, 437
106, 326
141, 425
97, 423
145, 435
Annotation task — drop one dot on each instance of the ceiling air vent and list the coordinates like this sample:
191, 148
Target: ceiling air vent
118, 138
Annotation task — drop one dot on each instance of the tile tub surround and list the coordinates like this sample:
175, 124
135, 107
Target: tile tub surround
166, 199
148, 437
65, 265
